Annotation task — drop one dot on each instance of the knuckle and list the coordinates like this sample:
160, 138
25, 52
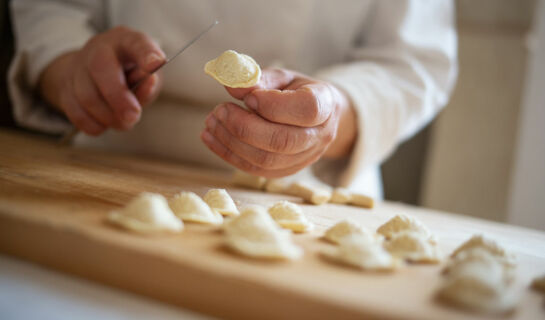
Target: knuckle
265, 160
281, 141
242, 131
312, 108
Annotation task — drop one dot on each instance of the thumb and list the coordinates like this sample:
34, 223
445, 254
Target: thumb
270, 79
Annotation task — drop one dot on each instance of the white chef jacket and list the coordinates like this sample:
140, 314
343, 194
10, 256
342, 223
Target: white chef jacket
396, 61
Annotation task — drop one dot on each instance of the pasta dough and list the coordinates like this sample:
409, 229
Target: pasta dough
233, 69
340, 196
478, 286
276, 185
311, 193
290, 216
149, 212
479, 255
358, 251
412, 247
246, 180
190, 207
347, 228
401, 223
254, 233
220, 201
478, 241
361, 200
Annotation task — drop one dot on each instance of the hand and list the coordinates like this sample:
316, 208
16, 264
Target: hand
293, 121
91, 85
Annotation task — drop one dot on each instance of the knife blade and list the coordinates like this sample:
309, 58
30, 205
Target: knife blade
67, 137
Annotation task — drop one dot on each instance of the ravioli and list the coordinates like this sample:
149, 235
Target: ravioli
290, 216
359, 252
413, 247
220, 201
233, 69
348, 228
147, 213
190, 207
255, 234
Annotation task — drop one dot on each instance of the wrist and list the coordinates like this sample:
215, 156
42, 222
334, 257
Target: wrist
53, 77
347, 127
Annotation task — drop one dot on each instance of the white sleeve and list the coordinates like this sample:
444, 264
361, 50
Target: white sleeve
44, 30
399, 77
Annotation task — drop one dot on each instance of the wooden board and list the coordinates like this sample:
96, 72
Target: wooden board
53, 201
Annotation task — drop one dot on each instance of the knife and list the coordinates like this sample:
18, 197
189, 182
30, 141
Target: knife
67, 137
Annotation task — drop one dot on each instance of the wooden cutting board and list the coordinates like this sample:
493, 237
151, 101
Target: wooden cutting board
53, 201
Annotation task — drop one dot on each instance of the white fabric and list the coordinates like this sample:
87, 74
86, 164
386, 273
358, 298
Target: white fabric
395, 59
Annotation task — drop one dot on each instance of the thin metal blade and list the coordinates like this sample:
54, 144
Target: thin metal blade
188, 44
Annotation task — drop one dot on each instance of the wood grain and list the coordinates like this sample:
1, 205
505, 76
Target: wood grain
53, 201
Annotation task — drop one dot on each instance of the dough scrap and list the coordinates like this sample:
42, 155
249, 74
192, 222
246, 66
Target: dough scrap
361, 200
147, 213
276, 185
401, 223
412, 247
311, 193
539, 284
478, 255
188, 206
507, 259
290, 216
358, 251
220, 201
340, 196
233, 69
348, 228
478, 286
246, 180
254, 233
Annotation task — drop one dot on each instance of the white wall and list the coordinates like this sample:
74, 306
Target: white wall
527, 196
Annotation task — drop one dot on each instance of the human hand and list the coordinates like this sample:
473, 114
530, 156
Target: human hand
91, 85
293, 121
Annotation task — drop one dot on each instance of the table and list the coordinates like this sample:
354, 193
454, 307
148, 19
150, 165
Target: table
53, 201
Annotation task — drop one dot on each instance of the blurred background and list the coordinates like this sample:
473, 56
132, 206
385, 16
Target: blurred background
484, 155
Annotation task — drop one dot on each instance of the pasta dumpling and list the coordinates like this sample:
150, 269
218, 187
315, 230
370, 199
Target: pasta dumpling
413, 247
290, 216
147, 213
358, 251
402, 223
220, 201
346, 228
188, 206
233, 69
255, 234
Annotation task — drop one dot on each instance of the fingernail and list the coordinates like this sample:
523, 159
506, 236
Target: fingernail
251, 101
153, 60
221, 112
131, 116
